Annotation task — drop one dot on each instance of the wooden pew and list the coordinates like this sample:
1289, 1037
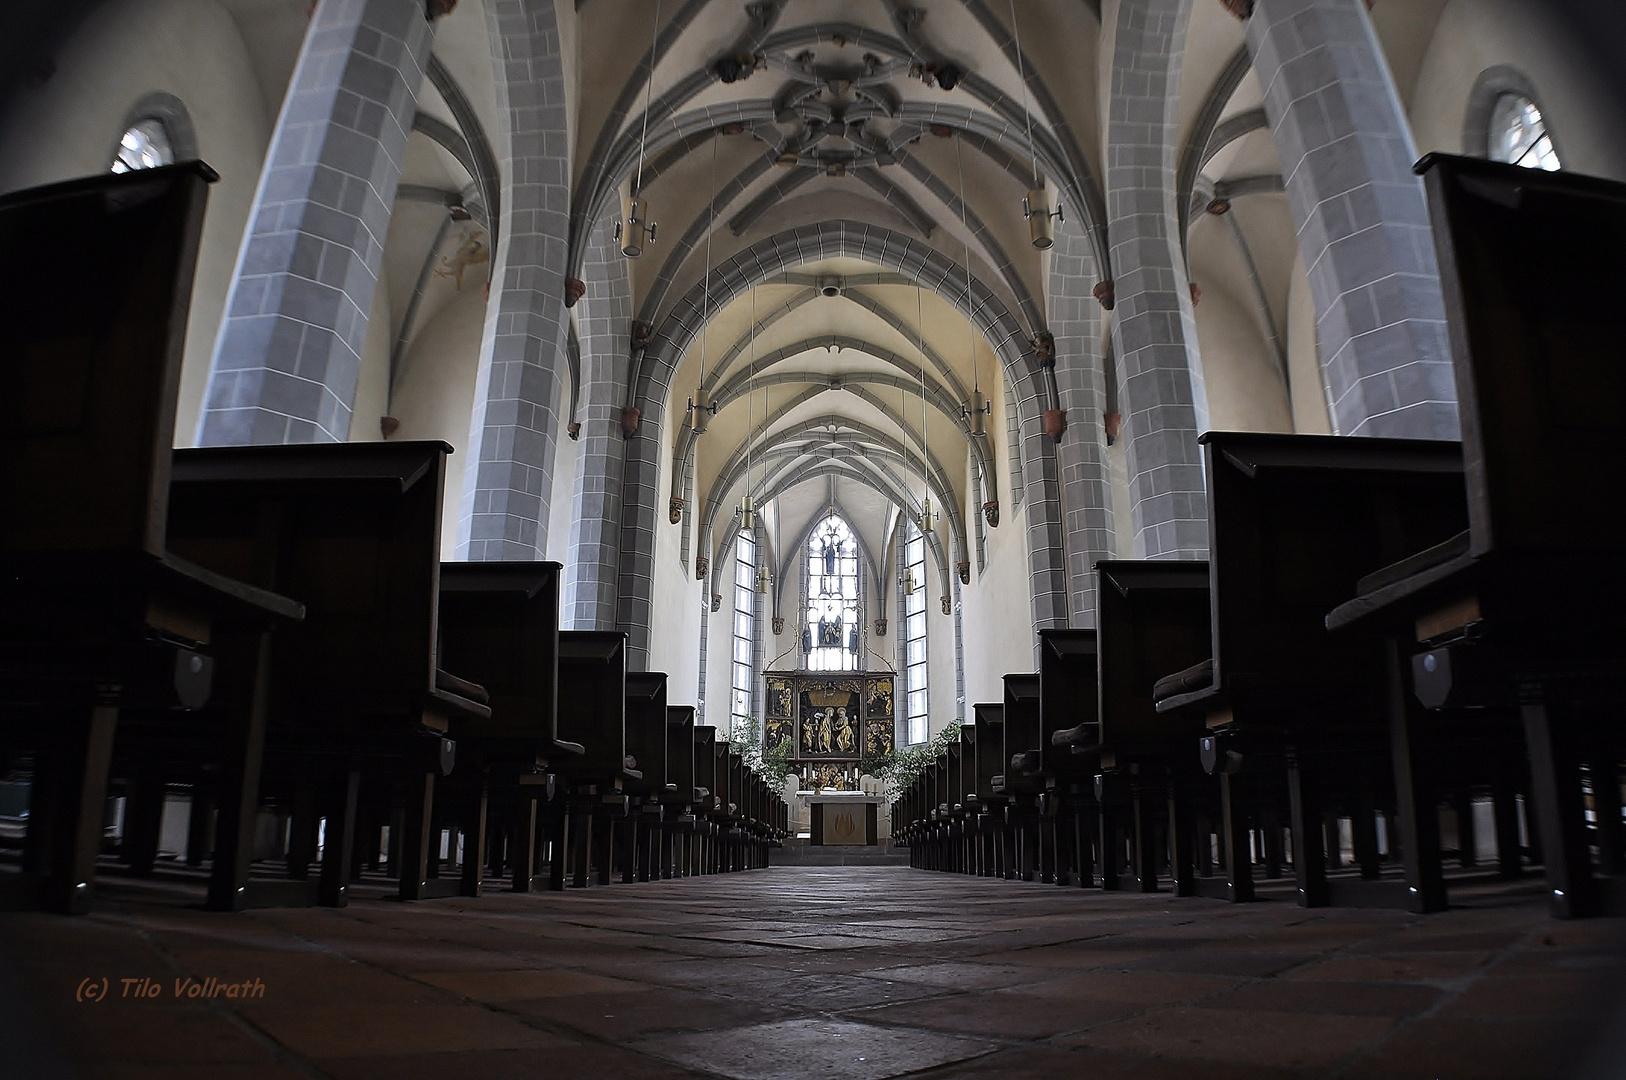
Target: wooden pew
499, 627
1068, 736
1023, 783
647, 717
988, 740
1151, 618
677, 824
353, 529
1522, 610
101, 624
1294, 522
707, 800
592, 714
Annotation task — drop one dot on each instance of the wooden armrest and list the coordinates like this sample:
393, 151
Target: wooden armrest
247, 602
1196, 677
1084, 735
460, 706
445, 680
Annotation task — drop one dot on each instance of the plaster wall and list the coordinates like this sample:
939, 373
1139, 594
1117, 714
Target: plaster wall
997, 619
1311, 415
674, 636
372, 400
70, 125
1245, 392
1587, 123
434, 392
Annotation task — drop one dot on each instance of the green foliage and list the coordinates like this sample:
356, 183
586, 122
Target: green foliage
745, 734
901, 768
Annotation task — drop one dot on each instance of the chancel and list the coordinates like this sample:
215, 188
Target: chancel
694, 538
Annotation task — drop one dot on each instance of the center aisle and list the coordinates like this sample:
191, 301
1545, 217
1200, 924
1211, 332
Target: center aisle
855, 972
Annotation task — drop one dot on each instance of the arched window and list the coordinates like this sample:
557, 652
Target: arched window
146, 145
1518, 134
914, 634
745, 628
830, 632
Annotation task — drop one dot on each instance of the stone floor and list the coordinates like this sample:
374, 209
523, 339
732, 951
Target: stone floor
860, 972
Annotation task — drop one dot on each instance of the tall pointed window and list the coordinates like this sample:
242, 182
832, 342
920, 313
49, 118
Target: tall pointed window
830, 632
914, 634
745, 628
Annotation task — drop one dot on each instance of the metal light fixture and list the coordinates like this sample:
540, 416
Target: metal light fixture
909, 581
1036, 208
764, 579
926, 515
977, 412
748, 512
701, 411
634, 230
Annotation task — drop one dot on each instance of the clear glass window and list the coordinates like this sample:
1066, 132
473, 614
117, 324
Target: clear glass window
1518, 134
144, 146
831, 619
914, 636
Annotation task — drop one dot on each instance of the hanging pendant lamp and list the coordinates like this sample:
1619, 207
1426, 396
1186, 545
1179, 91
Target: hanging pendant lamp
1036, 203
636, 228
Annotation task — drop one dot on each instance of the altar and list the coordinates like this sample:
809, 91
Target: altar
843, 818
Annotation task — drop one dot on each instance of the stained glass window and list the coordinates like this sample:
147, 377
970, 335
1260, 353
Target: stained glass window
831, 619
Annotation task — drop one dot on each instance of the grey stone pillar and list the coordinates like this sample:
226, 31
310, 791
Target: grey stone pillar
1086, 496
503, 513
1163, 401
1346, 151
605, 316
289, 351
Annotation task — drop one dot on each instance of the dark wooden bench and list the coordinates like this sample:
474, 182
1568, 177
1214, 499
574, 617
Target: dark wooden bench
1522, 610
101, 623
499, 627
1068, 736
988, 742
647, 718
1294, 522
682, 795
592, 714
353, 530
1023, 782
1152, 617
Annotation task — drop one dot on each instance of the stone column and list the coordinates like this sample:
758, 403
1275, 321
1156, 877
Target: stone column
1086, 496
503, 513
1346, 151
289, 351
605, 317
1164, 405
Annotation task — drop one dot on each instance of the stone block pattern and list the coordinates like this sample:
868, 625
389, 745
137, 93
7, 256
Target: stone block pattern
604, 317
643, 507
511, 439
1346, 151
289, 351
1162, 394
1086, 497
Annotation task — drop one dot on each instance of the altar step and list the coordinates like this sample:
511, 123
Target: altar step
801, 853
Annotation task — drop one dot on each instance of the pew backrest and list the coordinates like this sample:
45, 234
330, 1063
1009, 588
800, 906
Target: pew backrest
680, 752
1153, 620
352, 530
646, 728
95, 288
1295, 522
988, 719
1530, 264
1021, 730
592, 699
499, 627
1067, 690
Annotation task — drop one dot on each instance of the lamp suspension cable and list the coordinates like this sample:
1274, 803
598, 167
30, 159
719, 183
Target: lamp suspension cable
699, 408
747, 503
635, 228
1035, 204
978, 408
920, 338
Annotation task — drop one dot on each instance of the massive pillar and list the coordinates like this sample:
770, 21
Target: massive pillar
1346, 151
605, 318
289, 351
511, 438
1086, 496
1163, 401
